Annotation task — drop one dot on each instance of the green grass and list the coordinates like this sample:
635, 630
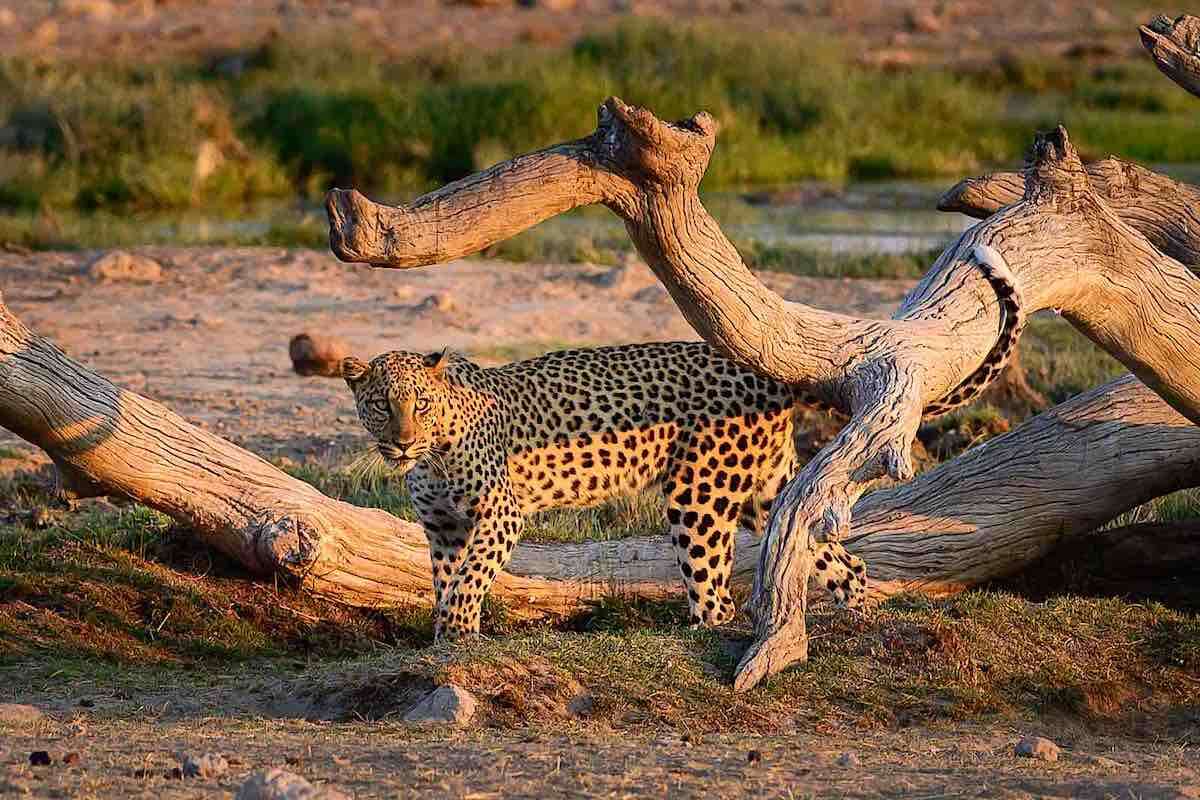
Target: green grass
306, 115
1060, 362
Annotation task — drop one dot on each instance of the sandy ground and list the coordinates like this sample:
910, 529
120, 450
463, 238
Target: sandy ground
134, 758
210, 339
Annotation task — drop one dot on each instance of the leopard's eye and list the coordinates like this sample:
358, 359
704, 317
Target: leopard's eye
422, 405
380, 406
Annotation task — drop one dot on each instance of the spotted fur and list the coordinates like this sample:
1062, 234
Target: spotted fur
483, 448
1012, 320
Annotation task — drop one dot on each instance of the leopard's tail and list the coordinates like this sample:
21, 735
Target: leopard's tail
1012, 320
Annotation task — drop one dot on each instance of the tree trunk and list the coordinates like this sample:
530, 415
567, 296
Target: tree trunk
986, 514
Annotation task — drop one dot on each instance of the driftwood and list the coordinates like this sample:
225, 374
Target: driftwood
982, 516
317, 354
1174, 44
1061, 244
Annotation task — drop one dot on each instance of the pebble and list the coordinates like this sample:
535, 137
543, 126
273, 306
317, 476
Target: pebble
118, 266
849, 760
279, 784
209, 765
445, 705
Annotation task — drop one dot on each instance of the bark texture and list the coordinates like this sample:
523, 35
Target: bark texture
1174, 44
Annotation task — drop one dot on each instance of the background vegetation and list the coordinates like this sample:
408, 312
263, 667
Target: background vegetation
292, 118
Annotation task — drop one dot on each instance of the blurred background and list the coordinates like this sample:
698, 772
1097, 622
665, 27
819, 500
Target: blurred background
127, 122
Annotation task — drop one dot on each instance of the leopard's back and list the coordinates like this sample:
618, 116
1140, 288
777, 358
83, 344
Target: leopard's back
585, 425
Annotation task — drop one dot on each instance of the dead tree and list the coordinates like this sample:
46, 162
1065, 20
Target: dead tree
1064, 246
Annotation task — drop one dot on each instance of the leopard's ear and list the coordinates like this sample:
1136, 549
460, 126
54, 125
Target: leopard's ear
353, 369
436, 363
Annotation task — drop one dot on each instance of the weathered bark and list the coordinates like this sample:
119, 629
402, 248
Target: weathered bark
1165, 211
1174, 44
982, 516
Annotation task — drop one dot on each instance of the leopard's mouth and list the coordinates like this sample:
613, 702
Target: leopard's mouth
398, 460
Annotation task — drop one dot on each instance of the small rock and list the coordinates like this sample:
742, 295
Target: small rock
209, 765
1104, 763
278, 784
581, 706
445, 705
118, 266
651, 294
71, 759
753, 757
1037, 747
39, 758
849, 760
19, 714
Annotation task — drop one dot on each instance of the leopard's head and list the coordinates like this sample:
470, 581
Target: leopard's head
403, 401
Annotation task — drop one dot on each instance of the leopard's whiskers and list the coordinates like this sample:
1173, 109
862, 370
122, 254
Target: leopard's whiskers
366, 470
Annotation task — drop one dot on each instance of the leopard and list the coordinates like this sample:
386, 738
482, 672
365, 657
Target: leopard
482, 448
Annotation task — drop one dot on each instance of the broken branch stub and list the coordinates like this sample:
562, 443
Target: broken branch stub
1071, 252
1174, 44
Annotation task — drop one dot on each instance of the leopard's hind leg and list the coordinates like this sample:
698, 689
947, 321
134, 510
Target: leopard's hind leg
835, 570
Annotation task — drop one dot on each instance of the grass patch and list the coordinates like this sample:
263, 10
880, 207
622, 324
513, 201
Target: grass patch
1060, 362
822, 264
980, 656
122, 584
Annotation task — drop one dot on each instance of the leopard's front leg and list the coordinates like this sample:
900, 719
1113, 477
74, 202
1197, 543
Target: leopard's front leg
447, 529
496, 525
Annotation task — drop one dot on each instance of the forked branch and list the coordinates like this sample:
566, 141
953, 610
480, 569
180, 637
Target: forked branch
1060, 245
